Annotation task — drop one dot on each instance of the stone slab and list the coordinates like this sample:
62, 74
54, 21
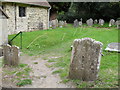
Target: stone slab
113, 47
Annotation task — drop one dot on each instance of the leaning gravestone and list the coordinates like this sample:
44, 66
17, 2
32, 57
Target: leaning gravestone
11, 55
112, 22
76, 23
101, 22
113, 47
89, 22
85, 60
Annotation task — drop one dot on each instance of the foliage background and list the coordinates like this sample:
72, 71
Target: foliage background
85, 10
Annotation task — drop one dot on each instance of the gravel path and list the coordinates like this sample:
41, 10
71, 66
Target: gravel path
42, 75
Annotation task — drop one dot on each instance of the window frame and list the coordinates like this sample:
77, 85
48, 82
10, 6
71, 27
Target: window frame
22, 11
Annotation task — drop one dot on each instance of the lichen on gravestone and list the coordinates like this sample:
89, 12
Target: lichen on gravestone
85, 60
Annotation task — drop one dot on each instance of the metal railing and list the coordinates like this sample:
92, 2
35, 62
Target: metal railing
10, 41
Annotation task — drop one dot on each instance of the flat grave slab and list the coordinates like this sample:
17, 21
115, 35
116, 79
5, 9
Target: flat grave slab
113, 47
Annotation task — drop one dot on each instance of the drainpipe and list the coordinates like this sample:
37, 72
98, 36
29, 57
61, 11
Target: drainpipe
49, 17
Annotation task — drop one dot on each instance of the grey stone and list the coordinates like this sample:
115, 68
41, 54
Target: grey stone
113, 47
11, 55
80, 23
54, 23
118, 24
101, 22
65, 23
85, 60
89, 22
95, 21
76, 23
112, 22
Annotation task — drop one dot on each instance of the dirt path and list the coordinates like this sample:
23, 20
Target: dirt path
42, 75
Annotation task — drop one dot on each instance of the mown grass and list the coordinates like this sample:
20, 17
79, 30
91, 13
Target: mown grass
57, 42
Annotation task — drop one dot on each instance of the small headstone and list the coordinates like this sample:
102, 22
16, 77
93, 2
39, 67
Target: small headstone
76, 23
95, 21
50, 24
65, 23
54, 23
11, 55
113, 47
112, 22
89, 22
80, 23
118, 24
85, 60
101, 22
61, 23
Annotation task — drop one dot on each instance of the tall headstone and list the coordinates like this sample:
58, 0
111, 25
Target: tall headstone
112, 22
85, 60
11, 55
89, 22
76, 23
101, 22
80, 22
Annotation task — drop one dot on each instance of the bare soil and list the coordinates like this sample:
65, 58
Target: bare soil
41, 75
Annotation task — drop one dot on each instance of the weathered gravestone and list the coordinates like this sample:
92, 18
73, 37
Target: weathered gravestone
118, 24
76, 23
113, 47
95, 21
89, 22
54, 23
65, 23
101, 22
112, 22
11, 55
61, 24
85, 60
50, 24
80, 23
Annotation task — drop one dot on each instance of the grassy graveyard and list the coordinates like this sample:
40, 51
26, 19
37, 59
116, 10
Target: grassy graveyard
57, 43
